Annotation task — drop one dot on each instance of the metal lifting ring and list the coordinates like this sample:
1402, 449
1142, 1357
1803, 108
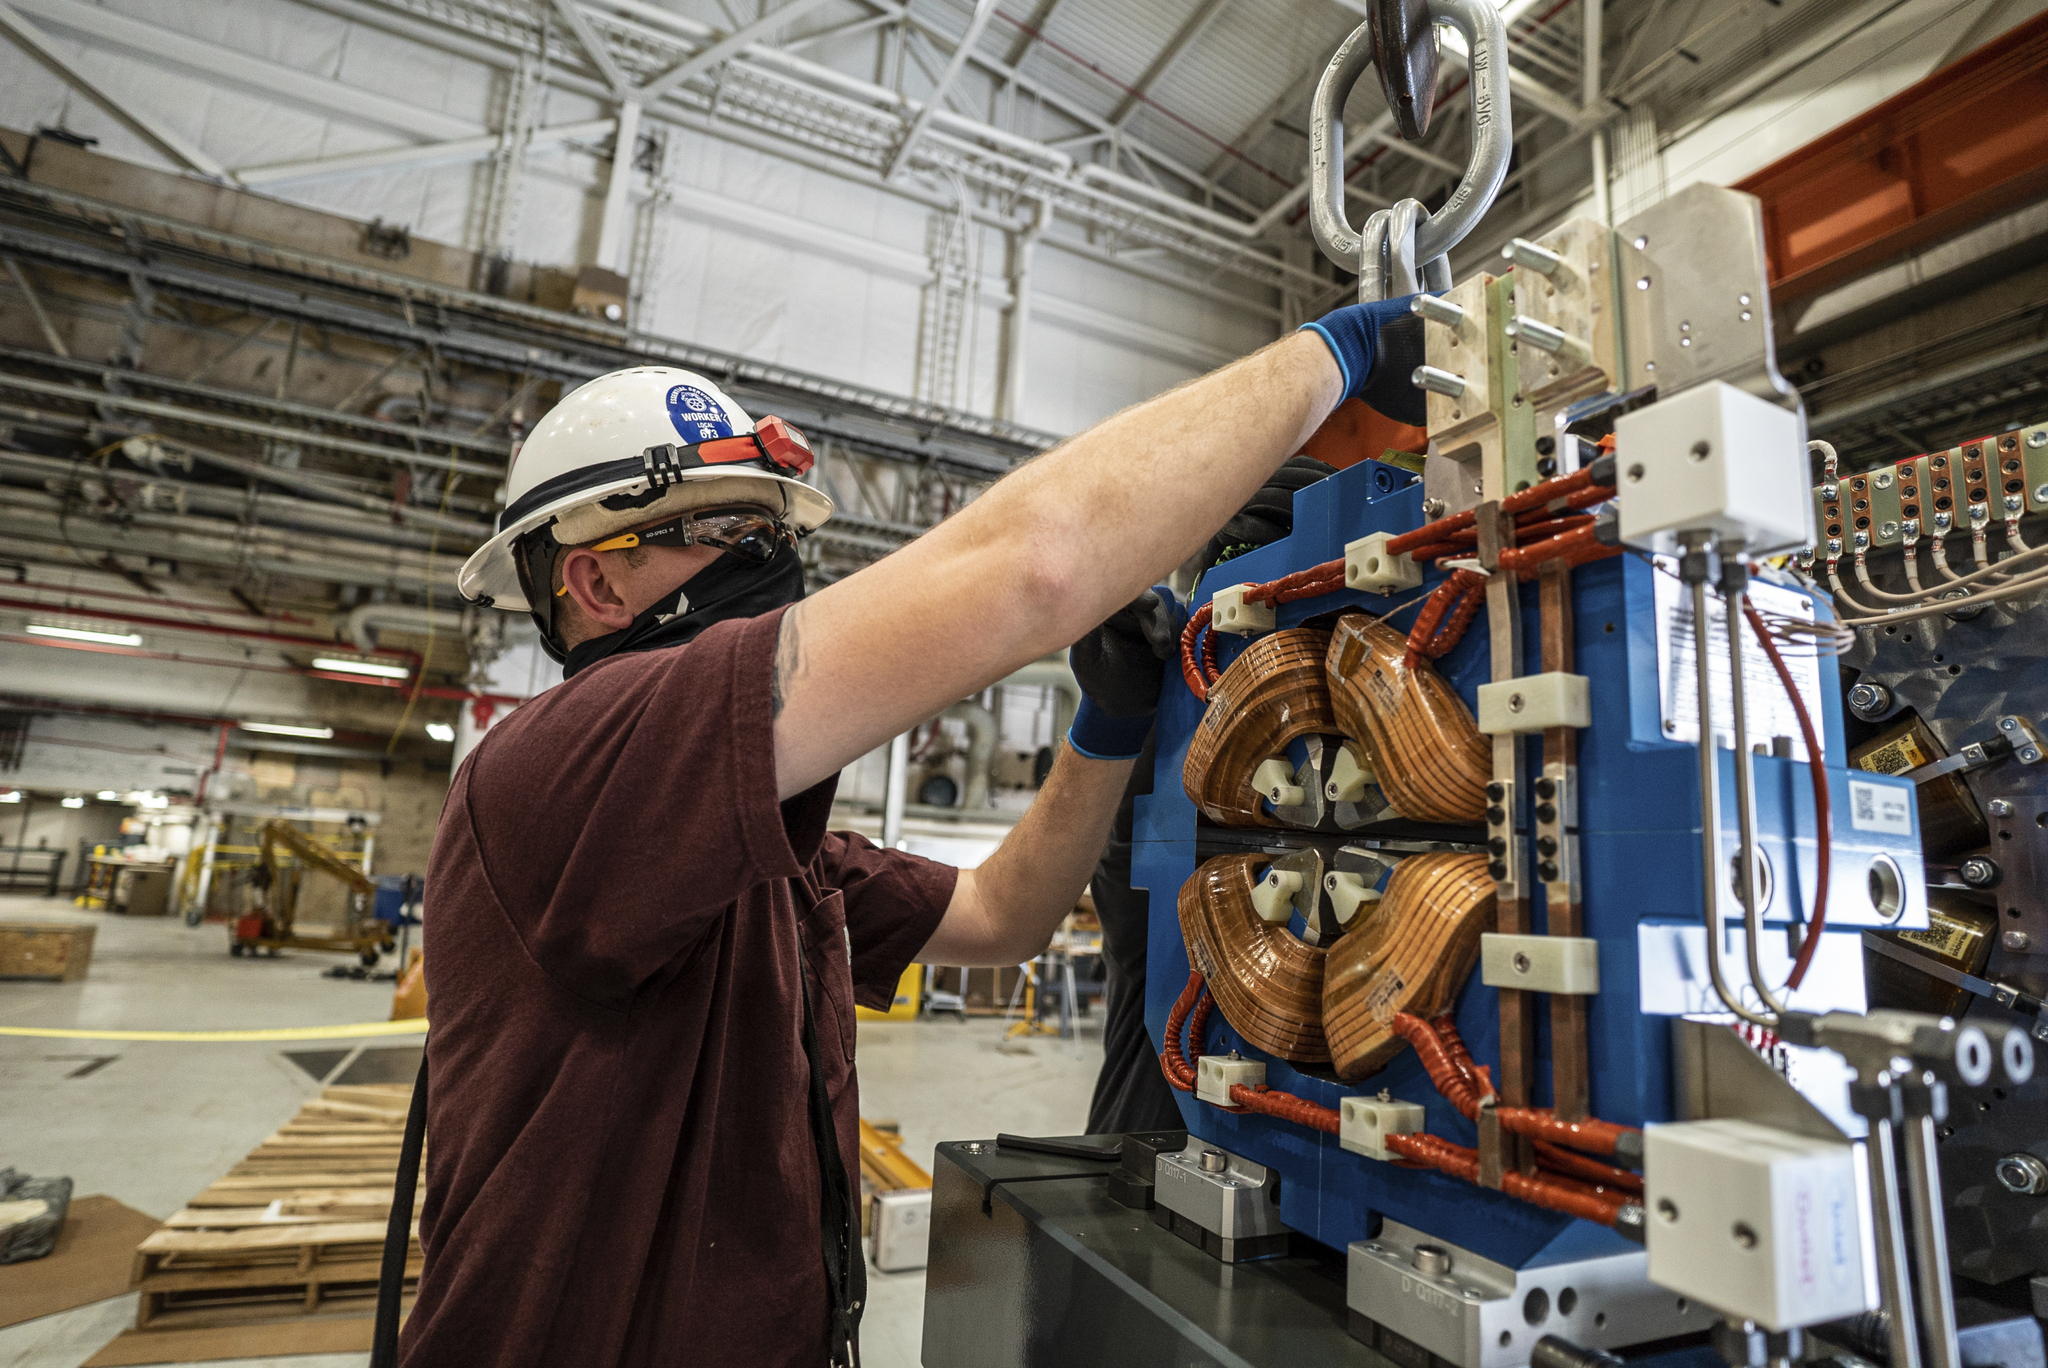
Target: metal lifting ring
1430, 237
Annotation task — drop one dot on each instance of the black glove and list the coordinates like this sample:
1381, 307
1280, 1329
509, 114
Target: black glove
1270, 514
1122, 663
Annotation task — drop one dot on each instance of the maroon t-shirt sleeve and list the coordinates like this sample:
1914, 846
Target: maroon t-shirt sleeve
667, 816
894, 901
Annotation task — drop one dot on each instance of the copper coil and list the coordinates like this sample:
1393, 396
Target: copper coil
1412, 955
1267, 983
1275, 691
1419, 739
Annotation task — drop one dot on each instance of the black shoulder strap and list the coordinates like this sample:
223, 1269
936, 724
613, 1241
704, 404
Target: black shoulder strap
846, 1269
398, 1234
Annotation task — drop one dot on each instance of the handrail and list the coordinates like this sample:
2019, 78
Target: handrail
1492, 145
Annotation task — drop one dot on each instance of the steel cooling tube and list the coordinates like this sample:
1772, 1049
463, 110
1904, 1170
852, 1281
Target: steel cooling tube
1734, 582
1693, 571
1893, 1271
1930, 1245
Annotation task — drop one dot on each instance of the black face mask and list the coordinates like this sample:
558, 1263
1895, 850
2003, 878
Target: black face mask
727, 588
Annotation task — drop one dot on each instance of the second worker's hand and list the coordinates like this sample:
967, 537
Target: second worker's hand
1378, 346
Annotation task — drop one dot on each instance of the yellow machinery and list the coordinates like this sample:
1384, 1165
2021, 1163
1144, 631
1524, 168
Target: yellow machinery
269, 925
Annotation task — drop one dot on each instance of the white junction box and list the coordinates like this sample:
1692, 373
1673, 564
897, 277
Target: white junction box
1535, 703
1540, 964
1714, 458
900, 1229
1370, 567
1228, 612
1759, 1223
1366, 1122
1216, 1075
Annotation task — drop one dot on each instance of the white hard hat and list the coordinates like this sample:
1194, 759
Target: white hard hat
628, 448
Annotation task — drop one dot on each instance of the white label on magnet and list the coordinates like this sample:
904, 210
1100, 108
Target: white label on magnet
1880, 807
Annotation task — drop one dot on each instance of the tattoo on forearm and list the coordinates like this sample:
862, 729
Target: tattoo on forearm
789, 659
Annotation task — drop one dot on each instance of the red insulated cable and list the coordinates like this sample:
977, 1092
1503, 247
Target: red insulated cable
1436, 1061
1210, 674
1198, 1028
1317, 579
1592, 1170
1461, 1057
1538, 1190
1172, 1061
1287, 1107
1590, 1136
1823, 813
1197, 682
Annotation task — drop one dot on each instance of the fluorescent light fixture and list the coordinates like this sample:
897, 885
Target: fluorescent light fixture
81, 634
284, 729
440, 731
362, 667
107, 796
74, 801
11, 796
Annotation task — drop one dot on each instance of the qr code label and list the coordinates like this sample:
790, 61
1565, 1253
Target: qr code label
1880, 807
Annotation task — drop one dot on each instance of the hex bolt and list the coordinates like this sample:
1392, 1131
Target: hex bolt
2016, 940
1869, 701
1432, 509
1999, 807
1980, 871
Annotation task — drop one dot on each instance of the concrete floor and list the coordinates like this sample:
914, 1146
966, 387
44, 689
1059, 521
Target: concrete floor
153, 1123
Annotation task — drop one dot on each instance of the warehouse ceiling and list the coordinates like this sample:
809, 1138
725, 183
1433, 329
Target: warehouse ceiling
233, 426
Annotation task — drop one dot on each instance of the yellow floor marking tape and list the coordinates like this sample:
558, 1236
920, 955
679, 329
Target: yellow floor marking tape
409, 1026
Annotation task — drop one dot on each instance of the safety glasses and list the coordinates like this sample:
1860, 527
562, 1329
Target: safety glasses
752, 534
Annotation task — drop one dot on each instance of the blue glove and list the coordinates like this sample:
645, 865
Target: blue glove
1378, 346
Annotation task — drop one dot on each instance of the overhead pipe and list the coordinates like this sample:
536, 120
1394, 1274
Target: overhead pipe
361, 622
411, 659
202, 418
189, 539
981, 748
1052, 672
316, 488
236, 501
311, 413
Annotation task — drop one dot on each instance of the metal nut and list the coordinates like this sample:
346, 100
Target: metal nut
2023, 1173
1980, 871
1869, 701
1214, 1161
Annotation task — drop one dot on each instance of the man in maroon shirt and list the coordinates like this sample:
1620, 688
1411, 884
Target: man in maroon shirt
647, 948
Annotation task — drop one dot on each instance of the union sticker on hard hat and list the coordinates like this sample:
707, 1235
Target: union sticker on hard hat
696, 415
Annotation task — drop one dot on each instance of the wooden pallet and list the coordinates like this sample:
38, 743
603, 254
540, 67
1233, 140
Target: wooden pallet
294, 1230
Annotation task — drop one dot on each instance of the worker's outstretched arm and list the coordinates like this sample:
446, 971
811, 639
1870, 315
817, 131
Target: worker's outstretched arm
1052, 549
1005, 911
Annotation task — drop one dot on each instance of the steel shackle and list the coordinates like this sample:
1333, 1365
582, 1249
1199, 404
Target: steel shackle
1492, 144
